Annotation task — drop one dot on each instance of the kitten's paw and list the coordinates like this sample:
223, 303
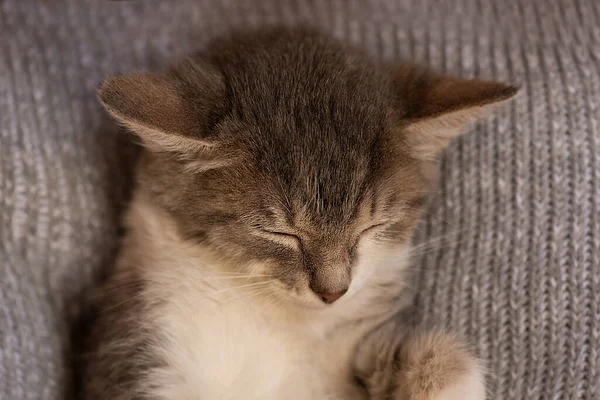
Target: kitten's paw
436, 366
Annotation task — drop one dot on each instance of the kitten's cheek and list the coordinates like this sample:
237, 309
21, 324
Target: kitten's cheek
366, 254
360, 276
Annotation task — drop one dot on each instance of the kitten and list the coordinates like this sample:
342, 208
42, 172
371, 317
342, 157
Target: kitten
269, 232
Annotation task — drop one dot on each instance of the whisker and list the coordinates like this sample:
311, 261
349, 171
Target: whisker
121, 303
141, 283
248, 285
436, 243
162, 288
249, 293
99, 292
431, 215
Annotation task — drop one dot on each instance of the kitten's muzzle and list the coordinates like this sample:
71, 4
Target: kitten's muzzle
329, 271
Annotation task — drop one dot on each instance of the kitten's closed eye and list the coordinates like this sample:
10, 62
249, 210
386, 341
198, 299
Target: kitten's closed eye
285, 235
370, 231
285, 238
374, 228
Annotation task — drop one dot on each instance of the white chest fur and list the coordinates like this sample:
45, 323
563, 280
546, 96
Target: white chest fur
233, 350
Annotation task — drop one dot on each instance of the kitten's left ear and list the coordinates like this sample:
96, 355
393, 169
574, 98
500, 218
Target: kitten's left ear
439, 108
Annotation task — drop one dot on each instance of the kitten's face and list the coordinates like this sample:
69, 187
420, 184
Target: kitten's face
300, 203
291, 155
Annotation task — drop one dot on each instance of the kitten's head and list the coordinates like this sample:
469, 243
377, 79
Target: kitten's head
290, 154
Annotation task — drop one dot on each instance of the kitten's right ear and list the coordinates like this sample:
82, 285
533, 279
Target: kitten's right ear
168, 112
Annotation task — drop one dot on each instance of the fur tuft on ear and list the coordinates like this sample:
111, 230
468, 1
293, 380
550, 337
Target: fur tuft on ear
439, 108
173, 112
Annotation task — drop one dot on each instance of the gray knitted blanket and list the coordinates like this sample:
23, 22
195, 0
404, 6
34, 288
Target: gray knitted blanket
509, 256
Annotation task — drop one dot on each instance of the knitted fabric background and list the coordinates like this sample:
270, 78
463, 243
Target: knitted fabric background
509, 255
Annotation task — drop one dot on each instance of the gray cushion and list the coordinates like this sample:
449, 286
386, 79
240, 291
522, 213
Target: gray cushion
511, 250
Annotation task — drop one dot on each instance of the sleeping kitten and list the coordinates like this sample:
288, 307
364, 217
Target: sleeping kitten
269, 232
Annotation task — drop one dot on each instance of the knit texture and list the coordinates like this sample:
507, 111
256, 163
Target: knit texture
509, 256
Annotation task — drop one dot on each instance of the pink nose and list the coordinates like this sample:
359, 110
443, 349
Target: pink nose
329, 298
